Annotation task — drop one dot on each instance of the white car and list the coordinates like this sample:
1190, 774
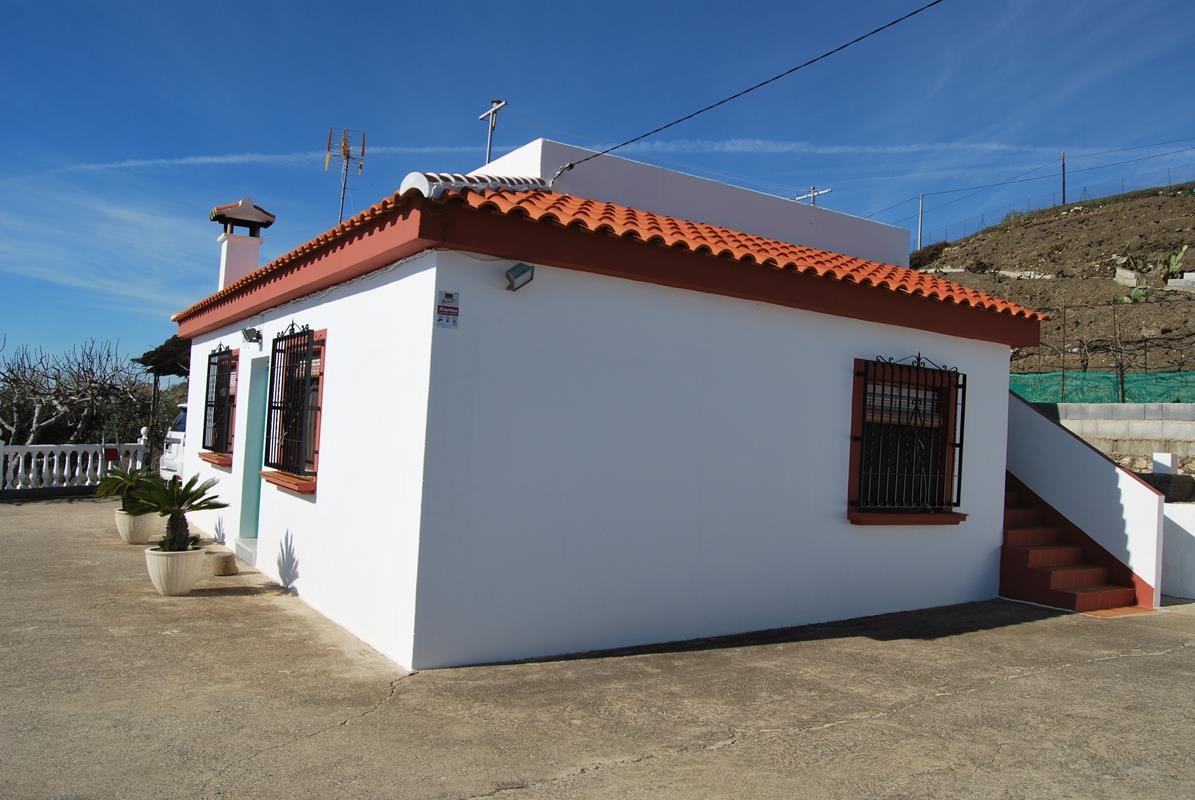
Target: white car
170, 465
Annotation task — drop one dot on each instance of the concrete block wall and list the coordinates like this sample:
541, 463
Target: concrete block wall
1130, 430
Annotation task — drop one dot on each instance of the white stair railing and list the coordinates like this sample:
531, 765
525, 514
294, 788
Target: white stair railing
1114, 507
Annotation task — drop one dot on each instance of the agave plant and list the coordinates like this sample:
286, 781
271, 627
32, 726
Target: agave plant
174, 499
124, 483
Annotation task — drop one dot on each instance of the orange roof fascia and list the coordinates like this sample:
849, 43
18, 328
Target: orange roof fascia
346, 252
605, 238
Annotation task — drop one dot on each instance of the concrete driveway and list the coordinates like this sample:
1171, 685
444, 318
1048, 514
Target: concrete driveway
241, 691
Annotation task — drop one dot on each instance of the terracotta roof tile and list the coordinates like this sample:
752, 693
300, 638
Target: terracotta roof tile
723, 242
547, 207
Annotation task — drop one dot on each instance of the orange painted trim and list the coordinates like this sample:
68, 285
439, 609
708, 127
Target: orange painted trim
321, 341
459, 227
856, 440
857, 517
383, 241
232, 418
1094, 552
292, 483
216, 459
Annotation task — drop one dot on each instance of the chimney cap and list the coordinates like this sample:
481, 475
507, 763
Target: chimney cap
242, 213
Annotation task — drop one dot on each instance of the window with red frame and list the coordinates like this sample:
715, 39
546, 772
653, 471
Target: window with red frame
293, 413
219, 408
906, 437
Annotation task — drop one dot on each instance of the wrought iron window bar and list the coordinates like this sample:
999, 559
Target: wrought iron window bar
911, 441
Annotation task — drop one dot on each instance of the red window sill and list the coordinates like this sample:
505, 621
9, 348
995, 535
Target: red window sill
292, 483
897, 518
216, 459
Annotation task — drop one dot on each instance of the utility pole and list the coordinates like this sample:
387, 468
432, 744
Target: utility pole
920, 212
344, 152
811, 196
495, 106
1064, 177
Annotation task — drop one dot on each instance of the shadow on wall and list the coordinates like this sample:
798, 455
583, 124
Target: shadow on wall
1178, 566
288, 564
927, 624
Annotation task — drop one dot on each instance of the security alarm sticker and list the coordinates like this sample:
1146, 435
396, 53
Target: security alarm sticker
448, 309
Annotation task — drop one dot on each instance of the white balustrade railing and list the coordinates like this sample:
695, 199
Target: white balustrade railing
63, 466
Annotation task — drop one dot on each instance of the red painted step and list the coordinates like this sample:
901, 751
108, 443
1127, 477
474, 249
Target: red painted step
1022, 518
1029, 537
1046, 563
1099, 598
1052, 555
1079, 575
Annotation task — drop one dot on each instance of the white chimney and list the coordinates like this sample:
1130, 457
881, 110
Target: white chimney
239, 253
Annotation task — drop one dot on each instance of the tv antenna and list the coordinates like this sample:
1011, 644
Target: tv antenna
812, 195
344, 152
495, 106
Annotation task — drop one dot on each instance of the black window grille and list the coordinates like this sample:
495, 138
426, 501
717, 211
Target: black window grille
911, 436
292, 418
220, 403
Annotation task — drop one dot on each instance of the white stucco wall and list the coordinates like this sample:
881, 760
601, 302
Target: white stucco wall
356, 539
665, 191
612, 463
1178, 565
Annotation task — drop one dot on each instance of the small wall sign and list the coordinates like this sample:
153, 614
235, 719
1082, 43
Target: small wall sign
448, 309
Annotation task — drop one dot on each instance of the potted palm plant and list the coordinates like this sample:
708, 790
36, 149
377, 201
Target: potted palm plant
177, 562
133, 529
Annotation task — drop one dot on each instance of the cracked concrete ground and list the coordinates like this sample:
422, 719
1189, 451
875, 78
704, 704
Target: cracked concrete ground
241, 691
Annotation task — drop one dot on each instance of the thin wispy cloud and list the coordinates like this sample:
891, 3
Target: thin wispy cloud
798, 147
689, 146
125, 251
262, 159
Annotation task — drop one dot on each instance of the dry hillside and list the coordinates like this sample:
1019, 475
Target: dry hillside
1064, 261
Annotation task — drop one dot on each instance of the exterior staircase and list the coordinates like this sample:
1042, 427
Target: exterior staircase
1046, 560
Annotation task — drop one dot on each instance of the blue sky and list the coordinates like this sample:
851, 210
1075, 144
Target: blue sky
127, 122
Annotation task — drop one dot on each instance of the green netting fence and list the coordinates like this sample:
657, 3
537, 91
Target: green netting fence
1105, 387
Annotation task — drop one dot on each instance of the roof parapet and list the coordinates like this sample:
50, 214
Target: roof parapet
433, 185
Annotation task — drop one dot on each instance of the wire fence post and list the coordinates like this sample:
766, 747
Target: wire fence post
1062, 390
1118, 352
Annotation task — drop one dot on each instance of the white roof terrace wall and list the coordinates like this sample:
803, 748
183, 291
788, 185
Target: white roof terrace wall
612, 463
665, 191
356, 540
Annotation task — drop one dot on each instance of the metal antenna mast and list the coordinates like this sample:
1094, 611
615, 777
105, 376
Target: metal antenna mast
495, 106
344, 152
813, 194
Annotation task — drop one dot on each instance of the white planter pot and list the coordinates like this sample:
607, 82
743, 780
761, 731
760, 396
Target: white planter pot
136, 530
174, 574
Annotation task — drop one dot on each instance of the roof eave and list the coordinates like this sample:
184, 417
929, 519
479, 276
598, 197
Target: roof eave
401, 228
458, 227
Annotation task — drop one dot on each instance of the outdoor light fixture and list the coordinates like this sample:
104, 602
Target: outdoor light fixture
252, 335
519, 276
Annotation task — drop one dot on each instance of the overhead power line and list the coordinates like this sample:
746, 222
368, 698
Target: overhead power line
1020, 178
573, 164
1048, 177
1079, 154
889, 208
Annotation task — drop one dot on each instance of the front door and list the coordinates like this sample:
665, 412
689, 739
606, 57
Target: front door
255, 437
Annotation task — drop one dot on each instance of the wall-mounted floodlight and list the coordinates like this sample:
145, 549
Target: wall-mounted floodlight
519, 276
252, 335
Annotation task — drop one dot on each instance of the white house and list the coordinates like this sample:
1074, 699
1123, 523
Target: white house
683, 421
